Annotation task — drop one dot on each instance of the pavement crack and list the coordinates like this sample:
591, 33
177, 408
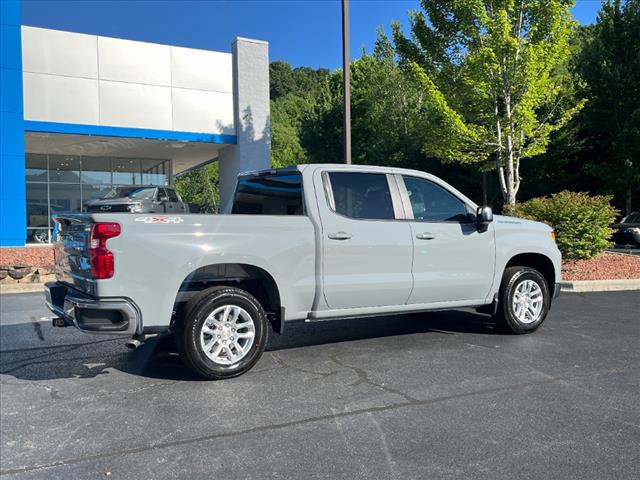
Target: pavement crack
267, 428
283, 364
147, 386
279, 426
70, 359
363, 377
53, 392
54, 347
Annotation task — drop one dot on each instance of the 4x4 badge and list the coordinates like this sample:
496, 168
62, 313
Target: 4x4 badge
160, 219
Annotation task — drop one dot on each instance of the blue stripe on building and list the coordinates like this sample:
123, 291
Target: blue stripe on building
107, 131
13, 217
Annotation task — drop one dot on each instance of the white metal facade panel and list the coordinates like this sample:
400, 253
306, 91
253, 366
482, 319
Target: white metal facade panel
200, 111
135, 105
59, 53
131, 86
201, 70
54, 98
134, 62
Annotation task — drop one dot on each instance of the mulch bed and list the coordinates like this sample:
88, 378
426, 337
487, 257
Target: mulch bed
606, 266
40, 256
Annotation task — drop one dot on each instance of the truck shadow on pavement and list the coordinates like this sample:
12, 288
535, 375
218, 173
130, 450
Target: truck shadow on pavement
100, 355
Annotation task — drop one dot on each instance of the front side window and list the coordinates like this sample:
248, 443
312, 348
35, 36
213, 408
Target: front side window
272, 194
431, 202
362, 195
172, 194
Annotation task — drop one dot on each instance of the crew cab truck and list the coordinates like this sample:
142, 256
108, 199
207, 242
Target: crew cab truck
313, 242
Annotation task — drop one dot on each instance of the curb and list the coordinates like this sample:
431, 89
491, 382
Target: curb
21, 288
600, 285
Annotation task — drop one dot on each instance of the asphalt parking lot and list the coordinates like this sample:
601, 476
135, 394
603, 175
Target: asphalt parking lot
422, 396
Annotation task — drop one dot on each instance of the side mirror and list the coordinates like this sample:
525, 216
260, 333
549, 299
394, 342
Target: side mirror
484, 216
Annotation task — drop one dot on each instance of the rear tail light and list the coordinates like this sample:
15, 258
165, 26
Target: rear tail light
102, 265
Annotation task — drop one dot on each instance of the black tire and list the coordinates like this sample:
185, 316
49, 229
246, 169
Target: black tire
506, 318
188, 333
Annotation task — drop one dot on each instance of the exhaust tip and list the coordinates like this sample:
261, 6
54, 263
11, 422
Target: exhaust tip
133, 344
58, 322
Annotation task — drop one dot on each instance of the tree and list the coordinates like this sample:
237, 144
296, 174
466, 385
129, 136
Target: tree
200, 187
287, 113
492, 76
295, 96
609, 64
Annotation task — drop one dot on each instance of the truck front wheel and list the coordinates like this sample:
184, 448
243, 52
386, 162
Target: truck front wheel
524, 300
223, 334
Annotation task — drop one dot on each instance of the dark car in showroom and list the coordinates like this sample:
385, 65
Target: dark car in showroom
627, 232
137, 199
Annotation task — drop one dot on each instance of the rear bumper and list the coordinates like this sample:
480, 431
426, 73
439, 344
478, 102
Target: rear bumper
93, 315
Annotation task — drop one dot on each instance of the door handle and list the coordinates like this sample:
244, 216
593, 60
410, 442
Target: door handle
340, 236
425, 236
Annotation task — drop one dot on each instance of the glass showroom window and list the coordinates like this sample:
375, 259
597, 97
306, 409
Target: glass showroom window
65, 183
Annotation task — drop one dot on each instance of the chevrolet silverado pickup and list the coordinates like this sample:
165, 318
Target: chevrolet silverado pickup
312, 242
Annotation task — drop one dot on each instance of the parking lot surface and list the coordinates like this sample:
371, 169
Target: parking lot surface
437, 395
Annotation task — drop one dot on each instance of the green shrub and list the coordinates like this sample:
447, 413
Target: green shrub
582, 223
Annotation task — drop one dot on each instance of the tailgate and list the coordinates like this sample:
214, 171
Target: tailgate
71, 237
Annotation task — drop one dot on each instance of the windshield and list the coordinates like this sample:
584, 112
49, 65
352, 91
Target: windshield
139, 193
632, 218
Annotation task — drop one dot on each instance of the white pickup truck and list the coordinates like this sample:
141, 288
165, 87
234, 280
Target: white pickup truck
313, 242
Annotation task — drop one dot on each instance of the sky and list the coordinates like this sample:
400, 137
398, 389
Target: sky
300, 32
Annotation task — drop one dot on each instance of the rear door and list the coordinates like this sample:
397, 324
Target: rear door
367, 253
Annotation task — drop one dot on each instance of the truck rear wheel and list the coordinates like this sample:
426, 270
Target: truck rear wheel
223, 334
524, 300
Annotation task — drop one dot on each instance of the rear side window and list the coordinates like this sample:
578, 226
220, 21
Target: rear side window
362, 195
277, 194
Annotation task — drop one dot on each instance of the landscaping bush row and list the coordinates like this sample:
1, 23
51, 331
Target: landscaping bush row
582, 222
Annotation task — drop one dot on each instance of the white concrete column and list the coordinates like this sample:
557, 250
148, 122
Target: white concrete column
252, 117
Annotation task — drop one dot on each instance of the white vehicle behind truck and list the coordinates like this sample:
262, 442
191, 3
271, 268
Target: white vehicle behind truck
313, 242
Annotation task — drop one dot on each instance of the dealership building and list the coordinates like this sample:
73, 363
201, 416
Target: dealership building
82, 114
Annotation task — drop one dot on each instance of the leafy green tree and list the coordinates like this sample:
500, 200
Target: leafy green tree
492, 76
287, 114
609, 64
200, 186
296, 94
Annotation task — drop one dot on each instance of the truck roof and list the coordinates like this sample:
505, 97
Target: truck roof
356, 168
302, 167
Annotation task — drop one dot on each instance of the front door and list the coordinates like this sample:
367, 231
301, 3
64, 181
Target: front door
175, 202
453, 260
367, 253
